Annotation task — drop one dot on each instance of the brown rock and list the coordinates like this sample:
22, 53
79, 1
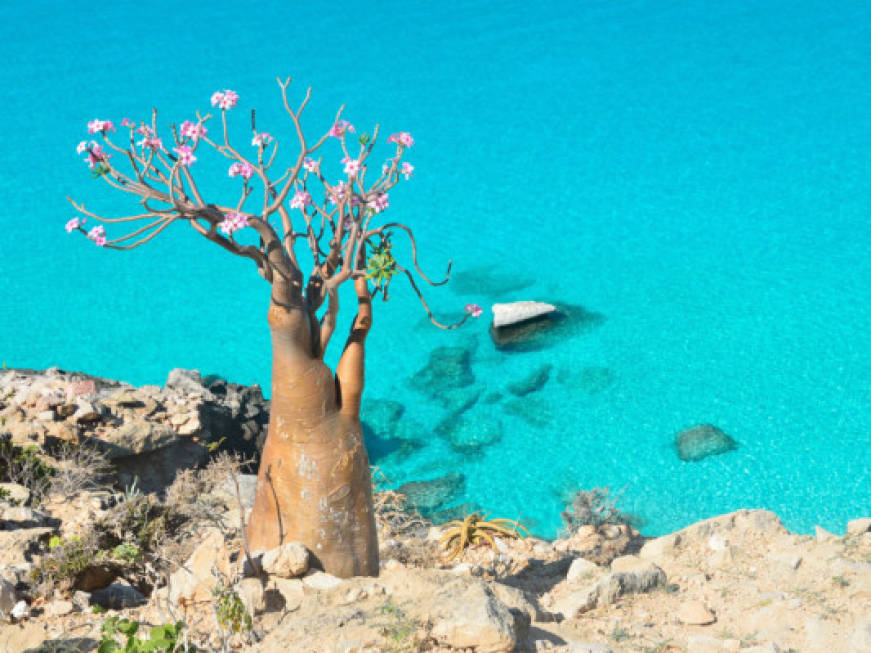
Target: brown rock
288, 560
194, 582
83, 388
694, 613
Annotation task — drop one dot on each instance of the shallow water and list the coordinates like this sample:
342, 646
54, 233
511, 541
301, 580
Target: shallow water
691, 179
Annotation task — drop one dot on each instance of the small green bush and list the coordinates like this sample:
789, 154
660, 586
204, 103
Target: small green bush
231, 612
161, 639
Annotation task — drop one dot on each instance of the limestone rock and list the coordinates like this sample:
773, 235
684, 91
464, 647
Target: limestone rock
533, 382
287, 561
474, 618
118, 596
186, 382
860, 642
705, 644
702, 441
250, 591
448, 368
581, 569
629, 575
16, 544
584, 647
319, 580
859, 526
136, 437
521, 311
292, 590
194, 581
59, 608
695, 613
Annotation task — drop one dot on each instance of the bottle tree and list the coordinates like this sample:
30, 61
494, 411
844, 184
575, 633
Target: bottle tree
313, 484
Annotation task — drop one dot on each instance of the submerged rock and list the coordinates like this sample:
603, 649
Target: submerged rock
427, 496
546, 330
531, 410
488, 281
452, 513
468, 433
383, 415
448, 368
702, 441
590, 380
533, 382
517, 312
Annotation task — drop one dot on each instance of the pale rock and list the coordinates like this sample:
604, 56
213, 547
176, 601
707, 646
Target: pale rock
15, 543
584, 647
821, 534
17, 493
287, 561
860, 642
86, 411
138, 436
521, 607
785, 561
474, 618
192, 426
46, 416
704, 644
514, 312
82, 388
768, 647
194, 581
179, 418
629, 575
19, 610
291, 589
720, 559
819, 634
7, 596
859, 526
582, 569
250, 591
717, 542
391, 564
695, 613
661, 547
319, 580
59, 608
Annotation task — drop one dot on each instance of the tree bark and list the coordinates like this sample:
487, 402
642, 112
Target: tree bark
314, 484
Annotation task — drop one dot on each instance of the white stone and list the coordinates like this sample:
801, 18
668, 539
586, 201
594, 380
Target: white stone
581, 568
474, 619
514, 312
288, 560
704, 644
319, 580
859, 526
19, 610
822, 534
717, 542
60, 608
250, 591
695, 613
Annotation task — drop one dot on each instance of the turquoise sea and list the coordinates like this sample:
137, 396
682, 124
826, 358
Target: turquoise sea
689, 178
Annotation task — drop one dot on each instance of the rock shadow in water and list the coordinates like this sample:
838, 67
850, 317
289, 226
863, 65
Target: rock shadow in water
379, 447
546, 331
448, 368
589, 380
531, 410
485, 280
532, 382
468, 433
452, 513
702, 441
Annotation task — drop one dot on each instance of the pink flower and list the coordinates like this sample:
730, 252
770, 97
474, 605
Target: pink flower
301, 199
72, 225
100, 241
185, 154
100, 126
380, 203
473, 309
97, 232
126, 122
244, 170
192, 130
402, 138
81, 147
338, 130
352, 166
407, 170
263, 138
338, 193
151, 141
95, 154
225, 100
144, 129
233, 222
310, 164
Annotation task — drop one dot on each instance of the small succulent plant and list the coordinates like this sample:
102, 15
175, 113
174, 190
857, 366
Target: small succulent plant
475, 529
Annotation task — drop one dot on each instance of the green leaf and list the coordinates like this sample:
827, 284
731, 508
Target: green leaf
364, 139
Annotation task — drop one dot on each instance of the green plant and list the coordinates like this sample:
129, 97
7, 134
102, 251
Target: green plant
161, 639
398, 628
6, 497
840, 580
474, 529
65, 559
127, 552
619, 634
230, 610
23, 465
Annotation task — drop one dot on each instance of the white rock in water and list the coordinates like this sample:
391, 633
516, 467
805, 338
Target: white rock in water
507, 314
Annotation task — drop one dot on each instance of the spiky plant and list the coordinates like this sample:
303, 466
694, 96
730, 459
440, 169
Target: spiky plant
475, 529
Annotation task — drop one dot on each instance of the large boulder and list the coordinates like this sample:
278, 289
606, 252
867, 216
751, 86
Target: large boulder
702, 441
517, 312
470, 432
473, 618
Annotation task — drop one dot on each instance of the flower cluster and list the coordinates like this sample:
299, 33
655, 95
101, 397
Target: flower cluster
225, 100
473, 309
148, 138
244, 170
380, 203
233, 222
192, 130
261, 139
301, 199
338, 130
310, 164
352, 166
100, 126
98, 235
401, 138
337, 194
95, 151
407, 169
185, 154
74, 224
126, 122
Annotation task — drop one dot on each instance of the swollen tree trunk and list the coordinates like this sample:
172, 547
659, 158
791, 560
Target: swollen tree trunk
314, 483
